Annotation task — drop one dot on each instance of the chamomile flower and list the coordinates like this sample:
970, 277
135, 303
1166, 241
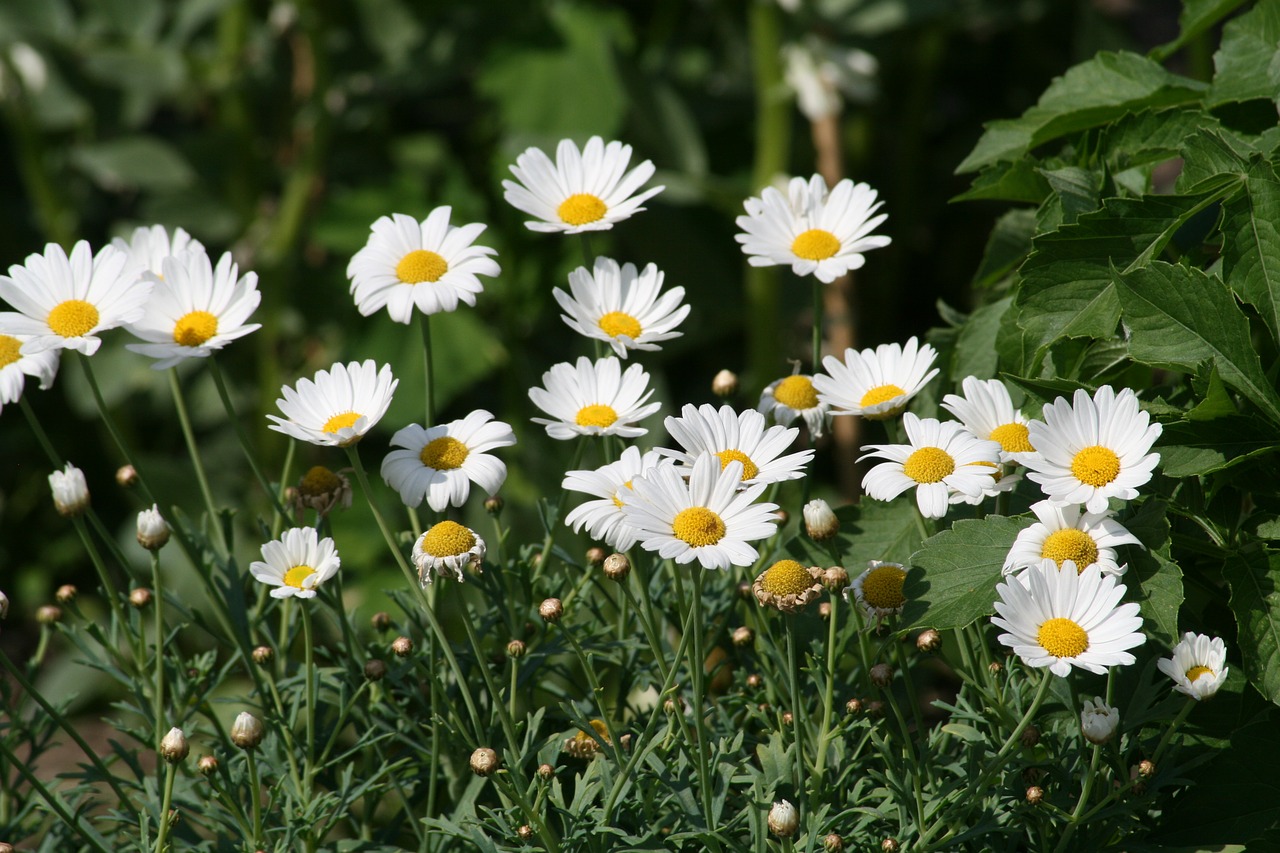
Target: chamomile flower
447, 547
876, 384
941, 459
581, 191
707, 518
731, 436
1064, 533
150, 245
429, 265
195, 309
16, 365
440, 463
878, 590
296, 563
612, 483
339, 406
1061, 619
1001, 481
816, 232
795, 397
66, 302
621, 306
593, 398
987, 411
1198, 666
1092, 448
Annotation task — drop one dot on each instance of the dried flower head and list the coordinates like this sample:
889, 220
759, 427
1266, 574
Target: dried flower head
447, 546
585, 744
484, 761
784, 820
322, 490
788, 586
247, 731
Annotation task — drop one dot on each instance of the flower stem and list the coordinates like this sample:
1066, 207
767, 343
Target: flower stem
170, 775
797, 717
255, 798
820, 756
697, 662
111, 427
309, 662
158, 694
424, 326
184, 421
225, 396
90, 837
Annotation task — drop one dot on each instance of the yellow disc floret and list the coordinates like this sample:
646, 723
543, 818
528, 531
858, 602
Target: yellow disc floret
1198, 672
319, 481
1013, 438
786, 577
448, 539
596, 415
419, 266
1070, 544
445, 453
618, 323
10, 350
295, 576
880, 394
1095, 466
342, 420
929, 465
882, 587
749, 468
698, 526
1062, 638
796, 392
195, 328
815, 245
581, 208
72, 318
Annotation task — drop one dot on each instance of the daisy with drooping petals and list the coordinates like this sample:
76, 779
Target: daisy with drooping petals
612, 483
429, 265
66, 302
1198, 666
942, 458
150, 245
339, 406
731, 436
447, 547
876, 384
1065, 533
707, 519
195, 309
987, 411
440, 463
593, 398
795, 397
788, 586
622, 307
878, 590
581, 191
1061, 619
818, 233
1092, 448
296, 563
16, 365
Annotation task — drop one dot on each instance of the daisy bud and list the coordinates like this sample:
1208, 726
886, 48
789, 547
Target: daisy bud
783, 517
1030, 736
890, 845
262, 655
65, 594
402, 647
824, 610
725, 384
173, 747
743, 636
247, 731
546, 771
153, 533
375, 670
595, 556
493, 505
820, 523
673, 704
875, 708
49, 614
127, 476
70, 491
381, 621
5, 847
754, 681
484, 761
515, 649
929, 641
833, 843
4, 606
744, 589
1034, 795
764, 707
788, 718
1099, 721
140, 597
784, 820
853, 706
995, 667
525, 832
551, 610
881, 674
617, 567
207, 765
1146, 769
835, 577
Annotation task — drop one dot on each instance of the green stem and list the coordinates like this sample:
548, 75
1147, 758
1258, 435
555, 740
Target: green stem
508, 724
90, 837
1173, 728
828, 695
255, 798
309, 662
170, 775
41, 437
797, 716
188, 435
424, 325
558, 520
158, 698
243, 436
697, 662
1086, 788
111, 428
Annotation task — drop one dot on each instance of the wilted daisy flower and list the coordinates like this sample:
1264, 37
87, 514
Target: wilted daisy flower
150, 245
604, 519
1093, 448
795, 397
987, 411
622, 307
1198, 666
788, 586
1066, 533
195, 309
440, 463
296, 563
322, 490
1098, 721
429, 265
447, 547
942, 458
584, 191
339, 406
705, 519
816, 233
876, 384
593, 398
1062, 619
878, 590
583, 745
15, 366
731, 436
66, 302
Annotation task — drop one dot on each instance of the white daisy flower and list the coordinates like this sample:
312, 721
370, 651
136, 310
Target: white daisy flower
440, 463
731, 436
1065, 533
16, 365
1092, 449
584, 191
876, 384
296, 563
941, 458
150, 245
339, 406
195, 309
816, 232
705, 519
622, 307
447, 547
604, 519
429, 265
1001, 481
987, 411
66, 302
1098, 721
795, 397
1198, 666
593, 398
1062, 619
878, 590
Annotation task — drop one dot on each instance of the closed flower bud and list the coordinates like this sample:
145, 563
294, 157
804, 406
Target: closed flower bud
402, 647
833, 843
525, 832
725, 384
875, 708
153, 532
835, 577
853, 706
207, 765
743, 636
820, 523
995, 667
617, 567
744, 589
140, 597
70, 491
551, 610
1146, 769
929, 641
49, 614
1035, 794
1098, 721
493, 505
247, 731
788, 718
484, 761
881, 674
824, 610
673, 704
1030, 736
546, 771
65, 594
381, 621
5, 847
783, 517
890, 845
595, 556
754, 681
515, 649
127, 476
173, 747
784, 820
262, 655
375, 670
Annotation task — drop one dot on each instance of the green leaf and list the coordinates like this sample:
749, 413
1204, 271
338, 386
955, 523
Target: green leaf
974, 355
1251, 243
1194, 448
953, 576
1077, 189
1254, 577
871, 530
1154, 581
1246, 65
1152, 136
134, 162
1213, 158
1015, 346
1197, 17
1007, 247
1020, 180
1215, 402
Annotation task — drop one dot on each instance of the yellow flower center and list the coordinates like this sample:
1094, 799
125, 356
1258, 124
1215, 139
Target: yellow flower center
698, 526
319, 481
448, 539
596, 415
72, 318
10, 350
880, 394
1013, 438
1095, 466
617, 501
295, 576
1070, 544
1062, 638
882, 587
419, 266
929, 465
1198, 672
786, 577
815, 245
616, 324
749, 468
581, 208
340, 421
195, 328
796, 392
445, 453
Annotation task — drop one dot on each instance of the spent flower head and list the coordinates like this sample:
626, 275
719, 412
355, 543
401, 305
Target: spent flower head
447, 547
788, 586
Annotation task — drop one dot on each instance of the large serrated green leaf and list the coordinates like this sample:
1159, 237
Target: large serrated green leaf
1196, 17
1007, 247
1213, 158
1254, 577
1152, 136
1153, 580
1246, 64
872, 530
1194, 448
1251, 243
974, 355
1016, 181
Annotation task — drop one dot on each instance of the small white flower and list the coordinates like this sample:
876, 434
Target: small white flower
612, 483
876, 384
1099, 721
815, 232
70, 491
339, 406
153, 532
447, 547
150, 245
987, 411
1061, 619
731, 436
1066, 533
795, 397
1198, 666
621, 306
581, 191
429, 265
878, 590
296, 563
16, 365
440, 463
941, 459
593, 398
